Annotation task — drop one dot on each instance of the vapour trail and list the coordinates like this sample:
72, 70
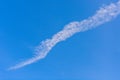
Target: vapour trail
103, 15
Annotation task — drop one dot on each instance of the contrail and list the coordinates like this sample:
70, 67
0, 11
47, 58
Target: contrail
103, 15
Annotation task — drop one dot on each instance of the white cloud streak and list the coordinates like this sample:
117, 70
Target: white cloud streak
103, 15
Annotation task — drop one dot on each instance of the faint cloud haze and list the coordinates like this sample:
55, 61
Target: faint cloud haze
103, 15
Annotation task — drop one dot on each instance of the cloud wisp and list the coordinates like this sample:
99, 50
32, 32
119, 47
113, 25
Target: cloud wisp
103, 15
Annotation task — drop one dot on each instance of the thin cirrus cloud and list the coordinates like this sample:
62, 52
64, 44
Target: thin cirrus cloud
103, 15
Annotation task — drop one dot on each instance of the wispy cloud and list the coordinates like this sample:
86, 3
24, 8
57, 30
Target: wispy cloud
103, 15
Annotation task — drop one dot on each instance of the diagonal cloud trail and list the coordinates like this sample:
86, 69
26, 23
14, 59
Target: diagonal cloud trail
103, 15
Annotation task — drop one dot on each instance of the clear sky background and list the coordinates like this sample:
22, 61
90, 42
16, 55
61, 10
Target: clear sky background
90, 55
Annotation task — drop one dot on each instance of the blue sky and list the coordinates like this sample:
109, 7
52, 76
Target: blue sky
90, 55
